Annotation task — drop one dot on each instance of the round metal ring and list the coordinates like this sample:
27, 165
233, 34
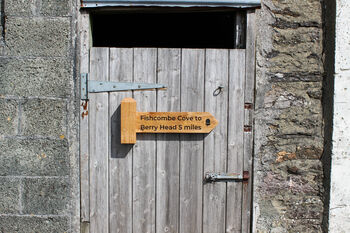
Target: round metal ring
218, 90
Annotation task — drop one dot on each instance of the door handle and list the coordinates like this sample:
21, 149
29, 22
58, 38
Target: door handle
226, 177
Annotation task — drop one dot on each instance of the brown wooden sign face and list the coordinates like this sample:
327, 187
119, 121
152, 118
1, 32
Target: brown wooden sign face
133, 122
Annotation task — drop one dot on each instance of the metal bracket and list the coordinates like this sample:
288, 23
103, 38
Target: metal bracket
226, 177
172, 3
93, 86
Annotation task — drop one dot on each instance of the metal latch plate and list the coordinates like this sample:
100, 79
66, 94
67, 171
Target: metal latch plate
226, 177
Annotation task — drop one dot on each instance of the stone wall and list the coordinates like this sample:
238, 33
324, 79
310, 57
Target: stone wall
288, 181
39, 118
38, 125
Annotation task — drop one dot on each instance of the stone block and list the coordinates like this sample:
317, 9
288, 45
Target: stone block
9, 193
297, 50
294, 94
309, 152
304, 225
8, 117
297, 121
300, 38
45, 196
34, 157
37, 36
20, 7
310, 207
55, 8
301, 13
35, 77
44, 117
30, 224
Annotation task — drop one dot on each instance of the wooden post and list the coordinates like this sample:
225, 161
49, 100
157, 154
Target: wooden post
128, 121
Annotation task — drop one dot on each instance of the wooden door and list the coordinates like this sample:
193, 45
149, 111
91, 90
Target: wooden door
157, 185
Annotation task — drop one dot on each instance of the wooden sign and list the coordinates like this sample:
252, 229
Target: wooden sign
133, 122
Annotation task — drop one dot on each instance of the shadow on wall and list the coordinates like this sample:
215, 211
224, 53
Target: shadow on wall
118, 150
329, 16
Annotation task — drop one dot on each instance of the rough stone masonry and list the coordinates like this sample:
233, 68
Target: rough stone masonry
38, 124
39, 118
288, 184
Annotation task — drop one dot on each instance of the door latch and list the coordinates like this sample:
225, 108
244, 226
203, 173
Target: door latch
226, 177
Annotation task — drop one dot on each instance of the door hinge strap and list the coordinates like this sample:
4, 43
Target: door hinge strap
94, 86
226, 177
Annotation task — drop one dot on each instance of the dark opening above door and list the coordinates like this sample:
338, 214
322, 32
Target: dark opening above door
167, 30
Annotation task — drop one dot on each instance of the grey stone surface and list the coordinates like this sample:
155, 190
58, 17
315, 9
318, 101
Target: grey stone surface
303, 13
35, 77
34, 157
44, 117
39, 116
10, 197
37, 36
26, 224
45, 196
8, 117
288, 192
55, 7
20, 7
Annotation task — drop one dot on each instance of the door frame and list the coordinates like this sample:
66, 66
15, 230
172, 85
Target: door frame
85, 43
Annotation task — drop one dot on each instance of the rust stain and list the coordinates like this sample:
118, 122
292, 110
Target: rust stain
247, 128
248, 105
284, 155
41, 156
86, 113
246, 175
84, 104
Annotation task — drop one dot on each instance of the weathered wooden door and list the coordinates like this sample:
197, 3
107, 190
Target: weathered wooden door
157, 185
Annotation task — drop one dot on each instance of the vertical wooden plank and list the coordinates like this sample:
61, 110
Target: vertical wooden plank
168, 146
84, 121
250, 58
248, 138
98, 141
191, 157
215, 144
120, 163
235, 139
144, 163
239, 41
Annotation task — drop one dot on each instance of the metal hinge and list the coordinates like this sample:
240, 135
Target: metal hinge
226, 177
94, 86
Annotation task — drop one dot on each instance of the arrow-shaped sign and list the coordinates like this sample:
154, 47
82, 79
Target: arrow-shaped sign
133, 122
